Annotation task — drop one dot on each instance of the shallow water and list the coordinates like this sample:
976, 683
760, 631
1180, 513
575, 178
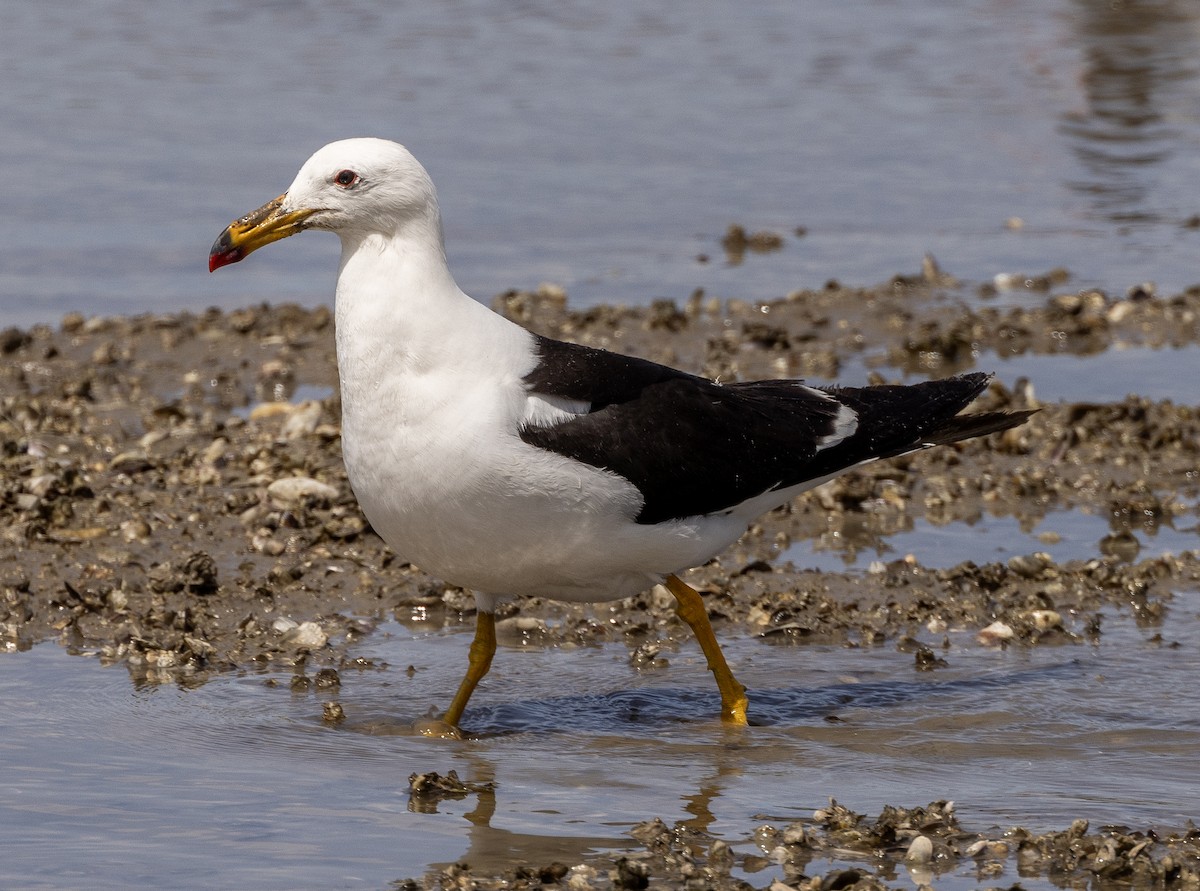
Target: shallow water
1064, 535
1156, 374
148, 783
603, 148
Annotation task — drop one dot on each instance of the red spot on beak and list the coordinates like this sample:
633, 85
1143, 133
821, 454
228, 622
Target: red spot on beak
219, 258
224, 252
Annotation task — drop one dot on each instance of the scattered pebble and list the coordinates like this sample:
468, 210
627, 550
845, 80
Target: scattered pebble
292, 490
920, 850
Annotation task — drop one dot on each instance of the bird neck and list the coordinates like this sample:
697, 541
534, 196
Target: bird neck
399, 310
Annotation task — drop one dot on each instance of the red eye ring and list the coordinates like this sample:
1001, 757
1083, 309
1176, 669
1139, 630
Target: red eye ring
346, 179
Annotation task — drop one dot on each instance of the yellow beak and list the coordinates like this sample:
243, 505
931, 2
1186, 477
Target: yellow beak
255, 229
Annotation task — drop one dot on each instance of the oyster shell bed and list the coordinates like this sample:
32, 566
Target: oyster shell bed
171, 500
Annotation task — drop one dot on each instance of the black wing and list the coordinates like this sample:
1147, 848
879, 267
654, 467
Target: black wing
694, 447
599, 377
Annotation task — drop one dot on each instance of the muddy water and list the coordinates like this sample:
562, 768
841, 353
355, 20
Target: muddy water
149, 784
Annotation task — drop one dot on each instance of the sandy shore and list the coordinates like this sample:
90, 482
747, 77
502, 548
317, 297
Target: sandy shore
172, 499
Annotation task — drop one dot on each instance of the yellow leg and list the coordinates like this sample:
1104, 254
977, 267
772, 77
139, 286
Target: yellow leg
479, 660
691, 609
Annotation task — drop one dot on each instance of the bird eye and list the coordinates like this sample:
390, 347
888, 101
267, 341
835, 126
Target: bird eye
346, 178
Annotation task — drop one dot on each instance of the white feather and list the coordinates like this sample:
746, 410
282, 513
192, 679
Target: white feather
844, 426
542, 410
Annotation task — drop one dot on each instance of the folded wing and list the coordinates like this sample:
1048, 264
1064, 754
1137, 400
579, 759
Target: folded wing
695, 447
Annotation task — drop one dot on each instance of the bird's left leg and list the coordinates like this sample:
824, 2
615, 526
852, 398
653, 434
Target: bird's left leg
690, 608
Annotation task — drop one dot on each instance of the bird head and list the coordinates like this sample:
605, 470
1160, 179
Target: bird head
351, 187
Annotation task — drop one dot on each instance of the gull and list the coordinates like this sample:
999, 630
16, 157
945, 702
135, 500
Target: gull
513, 464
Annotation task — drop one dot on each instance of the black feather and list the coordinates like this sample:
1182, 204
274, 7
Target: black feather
694, 447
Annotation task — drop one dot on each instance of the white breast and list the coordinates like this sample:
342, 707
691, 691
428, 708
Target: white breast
433, 399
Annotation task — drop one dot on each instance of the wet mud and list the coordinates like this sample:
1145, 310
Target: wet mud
899, 847
172, 499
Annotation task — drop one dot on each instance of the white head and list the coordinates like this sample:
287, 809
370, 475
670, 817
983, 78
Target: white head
354, 187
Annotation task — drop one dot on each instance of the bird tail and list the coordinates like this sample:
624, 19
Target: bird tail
963, 427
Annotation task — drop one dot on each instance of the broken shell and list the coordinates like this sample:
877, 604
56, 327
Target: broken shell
306, 636
303, 419
795, 834
310, 635
215, 450
41, 484
265, 411
134, 461
1118, 312
996, 634
1044, 619
135, 530
521, 625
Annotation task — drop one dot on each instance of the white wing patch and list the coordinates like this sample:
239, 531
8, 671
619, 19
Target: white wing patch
542, 410
844, 426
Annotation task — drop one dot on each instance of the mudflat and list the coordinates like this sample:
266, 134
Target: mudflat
172, 498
